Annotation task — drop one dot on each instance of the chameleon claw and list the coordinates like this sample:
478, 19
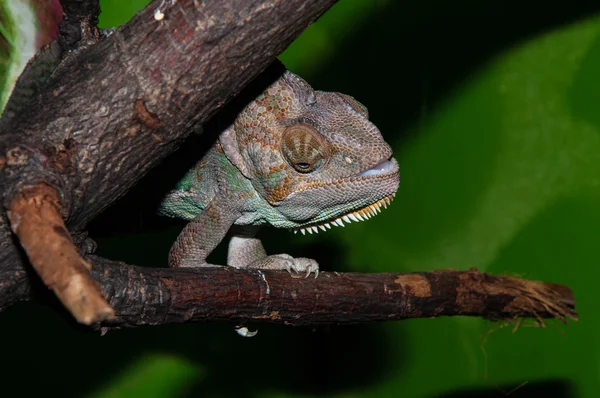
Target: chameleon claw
309, 270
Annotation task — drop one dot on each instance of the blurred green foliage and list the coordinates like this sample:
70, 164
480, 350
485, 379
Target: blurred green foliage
492, 110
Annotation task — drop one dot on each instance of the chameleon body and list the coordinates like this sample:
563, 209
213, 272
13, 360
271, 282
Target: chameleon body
294, 158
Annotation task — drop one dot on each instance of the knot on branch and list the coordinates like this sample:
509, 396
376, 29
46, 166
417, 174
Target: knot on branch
78, 25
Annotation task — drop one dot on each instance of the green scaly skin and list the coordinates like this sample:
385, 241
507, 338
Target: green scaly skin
294, 158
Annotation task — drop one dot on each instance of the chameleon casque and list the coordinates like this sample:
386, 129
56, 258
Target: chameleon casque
293, 158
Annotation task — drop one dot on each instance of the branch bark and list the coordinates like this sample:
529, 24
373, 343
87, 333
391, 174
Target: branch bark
151, 296
226, 294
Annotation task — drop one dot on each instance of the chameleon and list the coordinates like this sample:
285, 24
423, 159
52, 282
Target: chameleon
294, 158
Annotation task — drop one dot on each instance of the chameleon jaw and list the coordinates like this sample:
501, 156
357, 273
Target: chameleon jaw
361, 214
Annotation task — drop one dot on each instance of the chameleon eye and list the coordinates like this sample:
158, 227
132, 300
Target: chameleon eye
303, 148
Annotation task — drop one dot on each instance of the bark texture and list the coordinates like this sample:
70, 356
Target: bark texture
226, 294
144, 296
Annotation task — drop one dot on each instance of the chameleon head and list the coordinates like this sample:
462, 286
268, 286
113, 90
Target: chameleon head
313, 156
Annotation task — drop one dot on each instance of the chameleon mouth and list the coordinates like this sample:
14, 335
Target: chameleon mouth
383, 167
361, 214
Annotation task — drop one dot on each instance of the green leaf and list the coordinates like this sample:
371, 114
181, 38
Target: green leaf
116, 12
155, 375
18, 29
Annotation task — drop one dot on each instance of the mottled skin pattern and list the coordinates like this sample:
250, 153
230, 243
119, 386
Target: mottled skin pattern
293, 158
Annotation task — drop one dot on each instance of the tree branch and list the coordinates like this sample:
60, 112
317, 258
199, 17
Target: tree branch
148, 296
151, 296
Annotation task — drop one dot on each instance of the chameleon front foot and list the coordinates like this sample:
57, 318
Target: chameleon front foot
286, 262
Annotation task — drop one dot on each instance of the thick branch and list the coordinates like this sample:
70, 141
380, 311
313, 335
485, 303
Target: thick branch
146, 296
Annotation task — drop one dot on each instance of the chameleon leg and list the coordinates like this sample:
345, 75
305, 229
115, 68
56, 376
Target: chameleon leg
201, 235
246, 251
